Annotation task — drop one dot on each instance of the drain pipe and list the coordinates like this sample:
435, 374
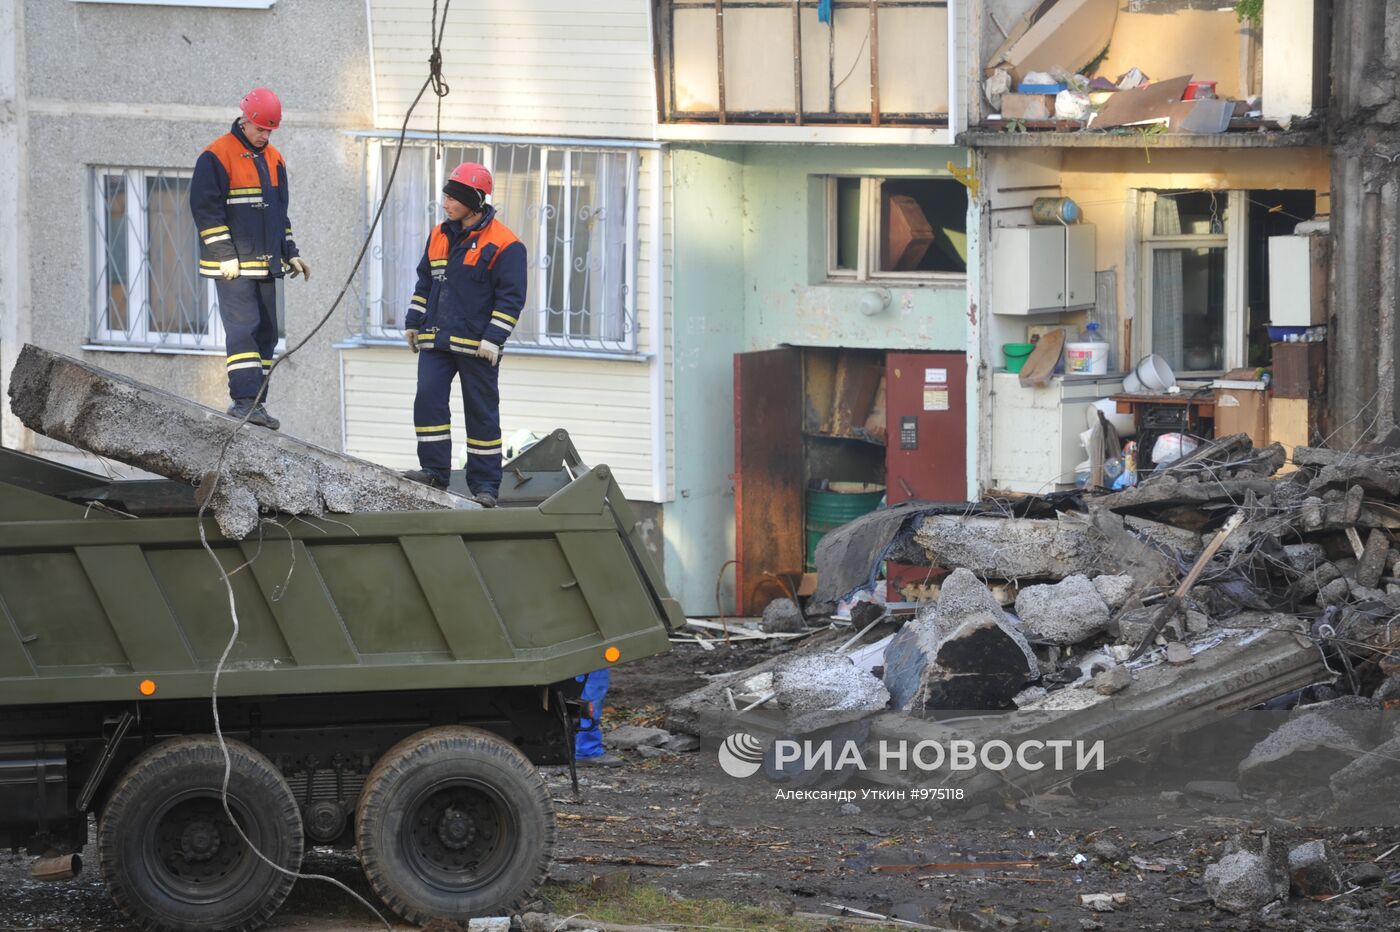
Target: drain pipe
59, 867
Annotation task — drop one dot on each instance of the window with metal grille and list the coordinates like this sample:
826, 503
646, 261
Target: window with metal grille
146, 286
572, 207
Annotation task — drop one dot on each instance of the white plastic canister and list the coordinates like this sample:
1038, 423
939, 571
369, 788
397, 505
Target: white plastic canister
1086, 358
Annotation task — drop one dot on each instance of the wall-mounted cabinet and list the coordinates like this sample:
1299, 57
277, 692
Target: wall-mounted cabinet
1042, 269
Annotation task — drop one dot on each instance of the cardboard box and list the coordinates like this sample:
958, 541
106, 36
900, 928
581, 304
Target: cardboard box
1243, 411
1027, 107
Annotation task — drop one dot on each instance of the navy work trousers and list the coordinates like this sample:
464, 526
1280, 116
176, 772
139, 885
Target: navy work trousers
432, 417
248, 308
589, 740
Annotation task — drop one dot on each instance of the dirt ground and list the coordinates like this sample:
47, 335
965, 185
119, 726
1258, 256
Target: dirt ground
660, 820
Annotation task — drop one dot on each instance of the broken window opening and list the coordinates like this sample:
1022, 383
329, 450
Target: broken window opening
896, 228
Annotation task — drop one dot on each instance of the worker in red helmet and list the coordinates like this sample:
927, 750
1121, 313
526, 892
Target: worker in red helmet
239, 200
470, 292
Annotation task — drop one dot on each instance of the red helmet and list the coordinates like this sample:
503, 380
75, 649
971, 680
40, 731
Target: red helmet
262, 108
473, 175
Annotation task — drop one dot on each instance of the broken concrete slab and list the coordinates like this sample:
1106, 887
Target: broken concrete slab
1066, 612
1013, 548
1314, 871
963, 653
1244, 881
782, 616
124, 420
1313, 744
1370, 781
1220, 791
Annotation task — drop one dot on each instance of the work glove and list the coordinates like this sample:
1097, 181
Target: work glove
491, 352
412, 337
299, 267
228, 269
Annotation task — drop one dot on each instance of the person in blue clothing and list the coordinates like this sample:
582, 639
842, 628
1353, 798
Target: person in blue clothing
470, 292
238, 197
588, 743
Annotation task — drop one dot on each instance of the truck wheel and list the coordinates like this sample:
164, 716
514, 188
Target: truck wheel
170, 856
454, 823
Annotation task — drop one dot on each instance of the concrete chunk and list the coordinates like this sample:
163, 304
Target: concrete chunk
825, 681
1114, 590
962, 654
1067, 612
1012, 548
632, 737
1243, 881
1313, 871
1314, 744
124, 420
782, 616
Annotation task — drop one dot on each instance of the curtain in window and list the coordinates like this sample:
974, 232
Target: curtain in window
1167, 285
515, 177
408, 217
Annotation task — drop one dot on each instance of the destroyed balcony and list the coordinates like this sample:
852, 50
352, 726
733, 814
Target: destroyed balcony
1145, 73
807, 70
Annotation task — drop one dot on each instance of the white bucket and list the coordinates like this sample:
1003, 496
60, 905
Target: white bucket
1086, 358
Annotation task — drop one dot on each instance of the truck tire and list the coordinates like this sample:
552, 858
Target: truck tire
171, 858
454, 823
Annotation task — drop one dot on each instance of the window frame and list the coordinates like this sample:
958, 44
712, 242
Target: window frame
1233, 239
382, 314
868, 235
138, 333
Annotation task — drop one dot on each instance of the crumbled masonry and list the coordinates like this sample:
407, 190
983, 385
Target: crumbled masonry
264, 471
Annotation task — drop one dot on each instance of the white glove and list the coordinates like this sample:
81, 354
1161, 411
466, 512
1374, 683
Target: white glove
228, 269
491, 352
299, 266
412, 337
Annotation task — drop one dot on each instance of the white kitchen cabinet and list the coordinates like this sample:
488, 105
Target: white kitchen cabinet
1041, 269
1035, 431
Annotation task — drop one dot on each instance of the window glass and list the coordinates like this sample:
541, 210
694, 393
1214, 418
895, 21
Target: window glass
847, 223
113, 312
1188, 307
177, 295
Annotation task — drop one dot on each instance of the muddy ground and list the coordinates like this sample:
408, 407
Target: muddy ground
666, 822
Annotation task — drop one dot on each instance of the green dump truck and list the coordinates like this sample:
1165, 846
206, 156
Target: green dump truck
396, 681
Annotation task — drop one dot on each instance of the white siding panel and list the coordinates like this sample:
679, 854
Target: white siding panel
526, 67
603, 404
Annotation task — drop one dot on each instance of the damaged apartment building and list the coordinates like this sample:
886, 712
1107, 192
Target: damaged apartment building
1156, 171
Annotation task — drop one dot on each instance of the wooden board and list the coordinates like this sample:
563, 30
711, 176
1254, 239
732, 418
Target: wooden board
1143, 104
1043, 359
768, 538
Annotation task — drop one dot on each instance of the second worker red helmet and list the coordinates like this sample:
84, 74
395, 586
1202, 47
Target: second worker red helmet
262, 108
473, 175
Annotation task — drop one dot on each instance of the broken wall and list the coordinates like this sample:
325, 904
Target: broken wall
1167, 39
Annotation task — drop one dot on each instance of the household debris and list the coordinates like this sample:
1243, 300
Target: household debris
112, 416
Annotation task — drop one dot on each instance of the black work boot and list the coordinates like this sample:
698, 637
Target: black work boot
484, 499
426, 477
254, 414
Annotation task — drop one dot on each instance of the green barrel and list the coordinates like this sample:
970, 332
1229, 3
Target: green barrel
828, 509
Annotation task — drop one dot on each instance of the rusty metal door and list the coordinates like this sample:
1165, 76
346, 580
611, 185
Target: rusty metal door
767, 475
926, 411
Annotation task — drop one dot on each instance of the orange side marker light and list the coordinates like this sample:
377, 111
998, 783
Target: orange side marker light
612, 655
148, 687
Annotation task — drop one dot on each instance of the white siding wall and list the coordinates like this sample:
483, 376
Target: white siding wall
520, 67
604, 404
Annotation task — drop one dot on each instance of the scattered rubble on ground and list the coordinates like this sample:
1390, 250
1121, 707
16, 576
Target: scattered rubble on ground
1132, 614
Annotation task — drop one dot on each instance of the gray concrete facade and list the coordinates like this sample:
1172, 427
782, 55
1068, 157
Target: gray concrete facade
104, 84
